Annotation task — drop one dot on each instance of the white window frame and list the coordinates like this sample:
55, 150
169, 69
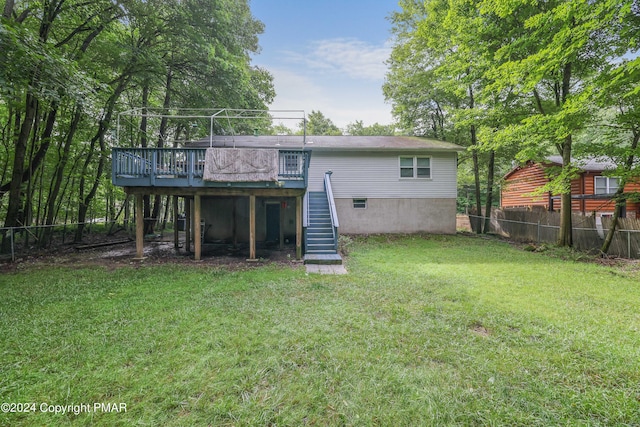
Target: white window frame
415, 167
609, 189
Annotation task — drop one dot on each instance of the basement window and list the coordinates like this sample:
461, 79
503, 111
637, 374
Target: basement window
359, 203
415, 167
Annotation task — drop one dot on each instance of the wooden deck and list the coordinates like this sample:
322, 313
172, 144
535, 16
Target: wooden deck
184, 168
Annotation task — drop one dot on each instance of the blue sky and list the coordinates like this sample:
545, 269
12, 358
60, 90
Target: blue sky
327, 55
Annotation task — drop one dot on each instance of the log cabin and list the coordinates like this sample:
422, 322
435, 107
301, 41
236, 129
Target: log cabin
591, 190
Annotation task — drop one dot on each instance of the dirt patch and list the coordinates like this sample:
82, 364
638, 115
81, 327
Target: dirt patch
157, 250
480, 330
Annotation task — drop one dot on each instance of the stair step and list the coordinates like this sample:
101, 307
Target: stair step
320, 241
323, 259
320, 251
324, 248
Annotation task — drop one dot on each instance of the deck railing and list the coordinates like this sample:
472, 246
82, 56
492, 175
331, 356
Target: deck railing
159, 166
335, 225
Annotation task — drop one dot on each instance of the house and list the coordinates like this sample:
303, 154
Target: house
591, 191
304, 189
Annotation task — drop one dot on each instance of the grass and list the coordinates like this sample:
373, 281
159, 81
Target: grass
425, 330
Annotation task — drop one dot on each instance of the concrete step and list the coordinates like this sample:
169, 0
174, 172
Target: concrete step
323, 259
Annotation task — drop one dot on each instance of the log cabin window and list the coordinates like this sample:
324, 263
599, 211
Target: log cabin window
415, 167
605, 185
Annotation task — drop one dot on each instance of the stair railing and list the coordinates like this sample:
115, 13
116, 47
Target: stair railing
332, 208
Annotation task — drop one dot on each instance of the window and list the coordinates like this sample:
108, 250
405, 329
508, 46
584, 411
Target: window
360, 203
415, 167
606, 185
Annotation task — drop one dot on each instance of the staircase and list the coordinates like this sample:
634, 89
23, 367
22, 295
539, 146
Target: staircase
320, 239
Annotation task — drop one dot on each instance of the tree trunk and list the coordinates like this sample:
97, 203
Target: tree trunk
157, 202
15, 193
476, 169
490, 177
565, 234
146, 200
620, 202
618, 197
103, 126
59, 177
8, 9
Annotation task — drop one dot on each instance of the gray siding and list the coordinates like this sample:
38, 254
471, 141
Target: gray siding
377, 175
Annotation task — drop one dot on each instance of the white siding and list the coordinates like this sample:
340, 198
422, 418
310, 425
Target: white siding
377, 175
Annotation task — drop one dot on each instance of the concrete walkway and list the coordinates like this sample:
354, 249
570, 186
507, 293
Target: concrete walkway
326, 269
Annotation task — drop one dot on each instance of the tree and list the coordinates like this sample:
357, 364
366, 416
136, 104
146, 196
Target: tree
67, 67
514, 73
554, 49
358, 128
318, 124
436, 74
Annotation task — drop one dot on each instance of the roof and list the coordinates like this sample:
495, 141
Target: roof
585, 165
331, 143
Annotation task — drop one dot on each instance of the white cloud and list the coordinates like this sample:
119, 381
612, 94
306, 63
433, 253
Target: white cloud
353, 57
342, 78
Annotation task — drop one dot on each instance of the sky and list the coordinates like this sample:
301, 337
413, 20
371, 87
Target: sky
328, 56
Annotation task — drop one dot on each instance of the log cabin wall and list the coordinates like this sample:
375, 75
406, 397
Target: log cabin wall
520, 183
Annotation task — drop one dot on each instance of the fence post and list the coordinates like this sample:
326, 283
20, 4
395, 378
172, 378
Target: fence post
13, 253
538, 231
629, 244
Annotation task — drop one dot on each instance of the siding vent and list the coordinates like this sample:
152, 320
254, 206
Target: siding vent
360, 203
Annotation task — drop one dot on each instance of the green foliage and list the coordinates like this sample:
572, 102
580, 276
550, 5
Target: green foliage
68, 67
318, 124
358, 128
525, 77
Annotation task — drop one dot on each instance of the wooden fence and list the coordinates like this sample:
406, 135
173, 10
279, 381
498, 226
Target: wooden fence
588, 231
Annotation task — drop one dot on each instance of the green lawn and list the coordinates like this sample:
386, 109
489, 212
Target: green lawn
422, 331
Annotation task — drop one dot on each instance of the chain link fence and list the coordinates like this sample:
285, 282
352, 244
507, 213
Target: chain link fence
33, 240
543, 227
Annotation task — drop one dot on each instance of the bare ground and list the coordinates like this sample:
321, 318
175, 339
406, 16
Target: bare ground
158, 250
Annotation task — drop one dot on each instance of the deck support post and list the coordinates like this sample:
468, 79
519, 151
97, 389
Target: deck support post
197, 238
252, 227
139, 227
299, 227
187, 224
176, 235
